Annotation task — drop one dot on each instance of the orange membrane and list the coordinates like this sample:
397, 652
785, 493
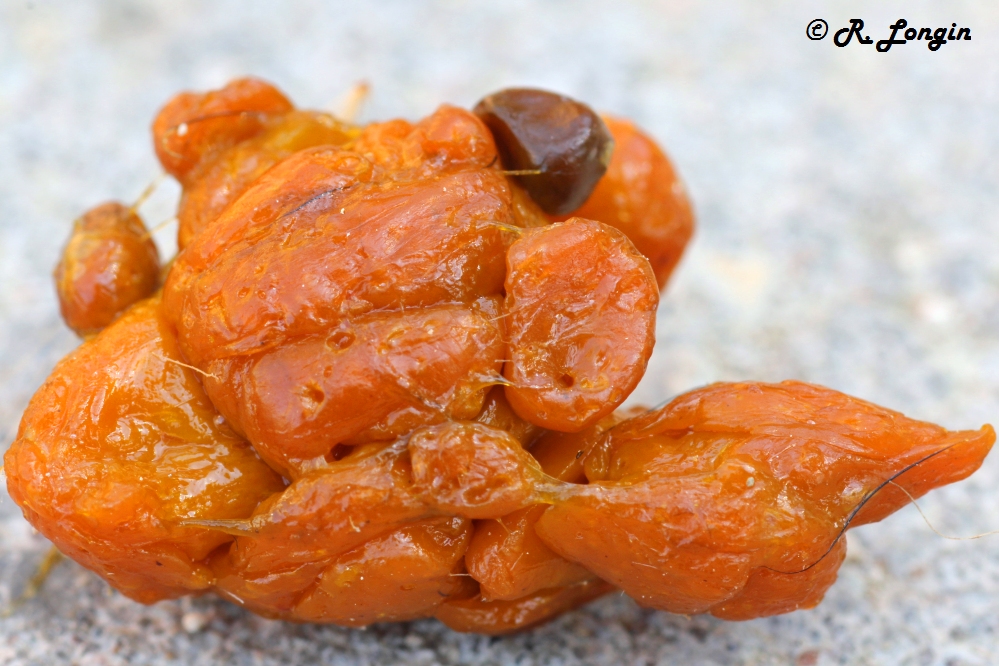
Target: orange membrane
379, 383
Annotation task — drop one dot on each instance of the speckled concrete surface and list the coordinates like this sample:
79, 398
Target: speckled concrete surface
849, 235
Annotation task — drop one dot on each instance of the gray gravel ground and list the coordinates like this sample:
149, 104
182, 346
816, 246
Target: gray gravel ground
847, 205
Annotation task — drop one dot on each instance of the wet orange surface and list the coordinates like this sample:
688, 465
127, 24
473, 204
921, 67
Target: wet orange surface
379, 384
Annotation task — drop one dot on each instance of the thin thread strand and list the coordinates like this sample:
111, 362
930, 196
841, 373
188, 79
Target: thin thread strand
50, 560
152, 230
148, 192
930, 525
521, 172
352, 103
185, 365
856, 510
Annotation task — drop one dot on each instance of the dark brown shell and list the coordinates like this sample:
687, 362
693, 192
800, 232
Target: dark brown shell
562, 138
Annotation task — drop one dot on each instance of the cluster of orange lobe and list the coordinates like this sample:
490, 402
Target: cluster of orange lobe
379, 382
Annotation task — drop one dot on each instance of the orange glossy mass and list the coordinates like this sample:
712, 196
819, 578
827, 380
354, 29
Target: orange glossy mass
195, 127
118, 447
379, 384
109, 263
581, 303
224, 174
731, 499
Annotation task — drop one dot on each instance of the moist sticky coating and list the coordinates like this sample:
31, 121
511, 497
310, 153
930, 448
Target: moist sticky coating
380, 384
109, 263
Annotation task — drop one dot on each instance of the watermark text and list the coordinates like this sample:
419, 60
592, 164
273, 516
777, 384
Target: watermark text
901, 33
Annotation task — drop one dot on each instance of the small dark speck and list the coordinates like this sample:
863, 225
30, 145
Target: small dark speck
159, 564
579, 454
699, 632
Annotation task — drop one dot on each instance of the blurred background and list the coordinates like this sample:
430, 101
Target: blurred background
848, 235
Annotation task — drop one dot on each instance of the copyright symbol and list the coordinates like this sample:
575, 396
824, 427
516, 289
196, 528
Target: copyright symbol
817, 29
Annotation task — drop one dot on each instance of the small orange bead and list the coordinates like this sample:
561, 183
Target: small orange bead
109, 263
